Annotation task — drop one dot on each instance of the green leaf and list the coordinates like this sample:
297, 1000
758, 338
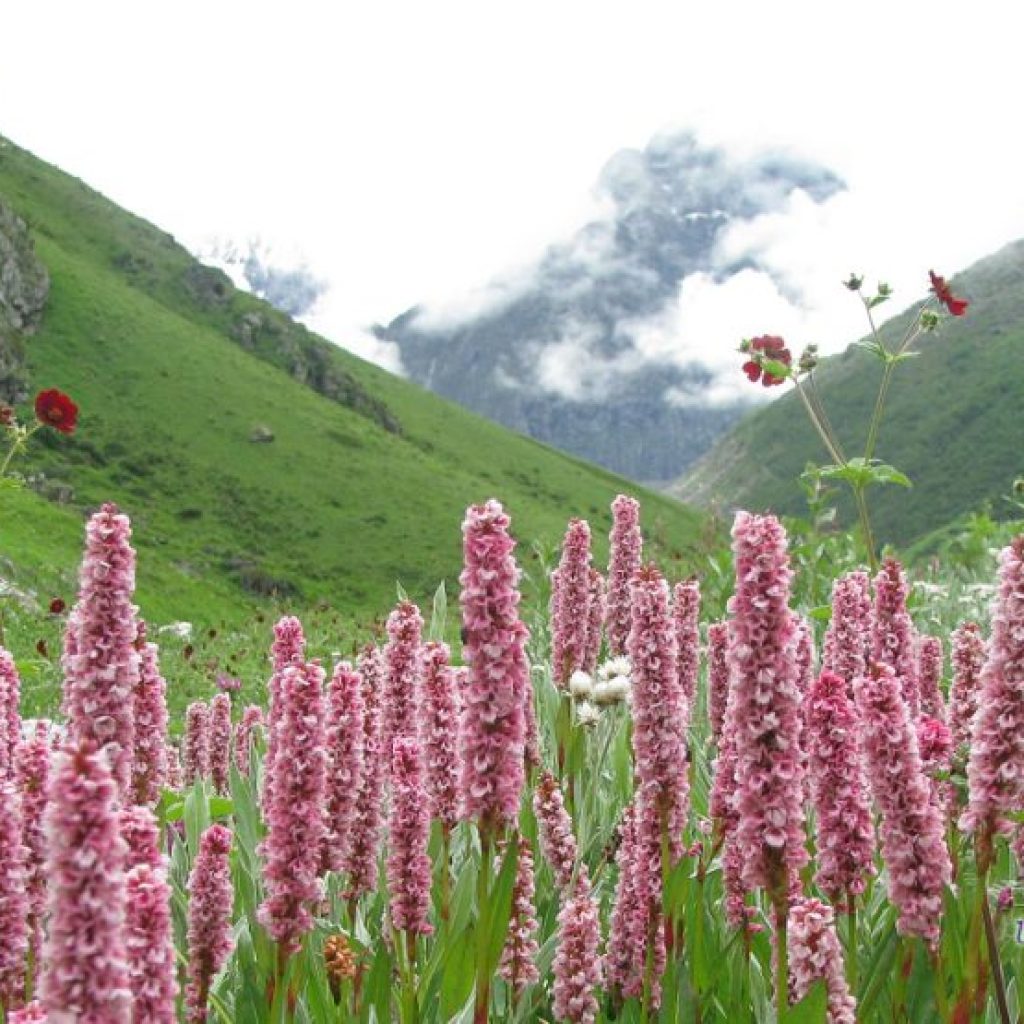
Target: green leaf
400, 590
457, 975
813, 1008
438, 614
877, 300
776, 368
859, 473
495, 916
823, 613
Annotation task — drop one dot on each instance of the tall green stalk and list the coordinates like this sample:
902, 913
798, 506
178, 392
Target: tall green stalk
483, 979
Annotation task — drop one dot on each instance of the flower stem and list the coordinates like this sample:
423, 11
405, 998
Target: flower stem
483, 981
782, 959
851, 949
993, 949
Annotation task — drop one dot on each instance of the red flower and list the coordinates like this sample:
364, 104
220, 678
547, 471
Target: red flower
942, 291
767, 348
6, 416
55, 409
57, 606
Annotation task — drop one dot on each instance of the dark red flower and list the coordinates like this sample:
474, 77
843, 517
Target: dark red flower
57, 606
41, 649
6, 416
767, 348
942, 291
55, 409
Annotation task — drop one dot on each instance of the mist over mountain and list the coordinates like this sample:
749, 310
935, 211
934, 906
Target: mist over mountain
597, 348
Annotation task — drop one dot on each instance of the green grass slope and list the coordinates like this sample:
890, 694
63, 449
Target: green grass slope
953, 422
365, 482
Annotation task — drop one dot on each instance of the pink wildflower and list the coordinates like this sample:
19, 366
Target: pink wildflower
252, 719
10, 719
14, 904
765, 708
343, 742
659, 709
360, 860
848, 637
577, 966
149, 764
997, 743
623, 961
149, 940
554, 829
492, 730
32, 768
141, 835
892, 634
913, 845
408, 862
104, 669
84, 966
175, 777
968, 657
595, 623
686, 616
31, 1014
220, 743
440, 731
295, 824
935, 743
625, 557
815, 954
197, 743
518, 957
718, 676
288, 648
211, 899
929, 676
846, 835
402, 693
570, 604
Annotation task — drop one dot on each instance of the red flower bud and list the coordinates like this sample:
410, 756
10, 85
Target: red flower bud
55, 409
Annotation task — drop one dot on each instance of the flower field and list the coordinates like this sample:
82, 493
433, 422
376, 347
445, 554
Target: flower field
602, 805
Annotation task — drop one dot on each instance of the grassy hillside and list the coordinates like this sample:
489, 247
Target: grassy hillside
953, 423
364, 483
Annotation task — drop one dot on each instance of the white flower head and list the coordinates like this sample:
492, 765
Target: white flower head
613, 667
182, 630
581, 685
611, 691
586, 713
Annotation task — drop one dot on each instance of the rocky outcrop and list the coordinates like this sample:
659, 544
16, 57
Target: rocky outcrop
24, 286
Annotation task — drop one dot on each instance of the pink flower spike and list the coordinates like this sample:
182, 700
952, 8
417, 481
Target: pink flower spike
912, 833
402, 693
440, 730
408, 862
14, 902
848, 638
718, 677
10, 718
846, 835
252, 719
211, 898
686, 616
343, 743
595, 625
968, 657
997, 742
935, 742
929, 677
554, 829
32, 770
85, 980
141, 835
220, 743
815, 954
31, 1014
892, 637
570, 604
149, 766
295, 825
625, 557
493, 729
577, 966
518, 957
197, 743
288, 648
149, 940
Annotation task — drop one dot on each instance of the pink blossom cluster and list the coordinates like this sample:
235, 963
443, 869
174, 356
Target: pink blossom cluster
935, 743
815, 954
892, 633
929, 677
103, 666
912, 839
839, 791
14, 905
764, 708
968, 657
440, 732
252, 719
295, 795
554, 829
402, 692
492, 734
994, 776
595, 624
343, 744
84, 965
570, 604
149, 762
32, 771
220, 743
686, 617
519, 955
660, 714
408, 862
621, 958
211, 898
141, 835
149, 941
196, 760
624, 560
10, 718
288, 648
718, 676
360, 858
577, 965
847, 645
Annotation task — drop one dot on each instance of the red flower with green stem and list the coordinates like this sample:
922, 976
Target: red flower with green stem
53, 408
770, 362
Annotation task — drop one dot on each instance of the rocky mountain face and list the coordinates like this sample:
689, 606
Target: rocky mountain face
565, 353
24, 286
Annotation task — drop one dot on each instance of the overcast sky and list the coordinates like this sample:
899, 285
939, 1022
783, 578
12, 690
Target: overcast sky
410, 152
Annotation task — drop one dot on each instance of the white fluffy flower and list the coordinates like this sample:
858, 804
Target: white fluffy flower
581, 685
182, 630
612, 690
586, 713
613, 667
